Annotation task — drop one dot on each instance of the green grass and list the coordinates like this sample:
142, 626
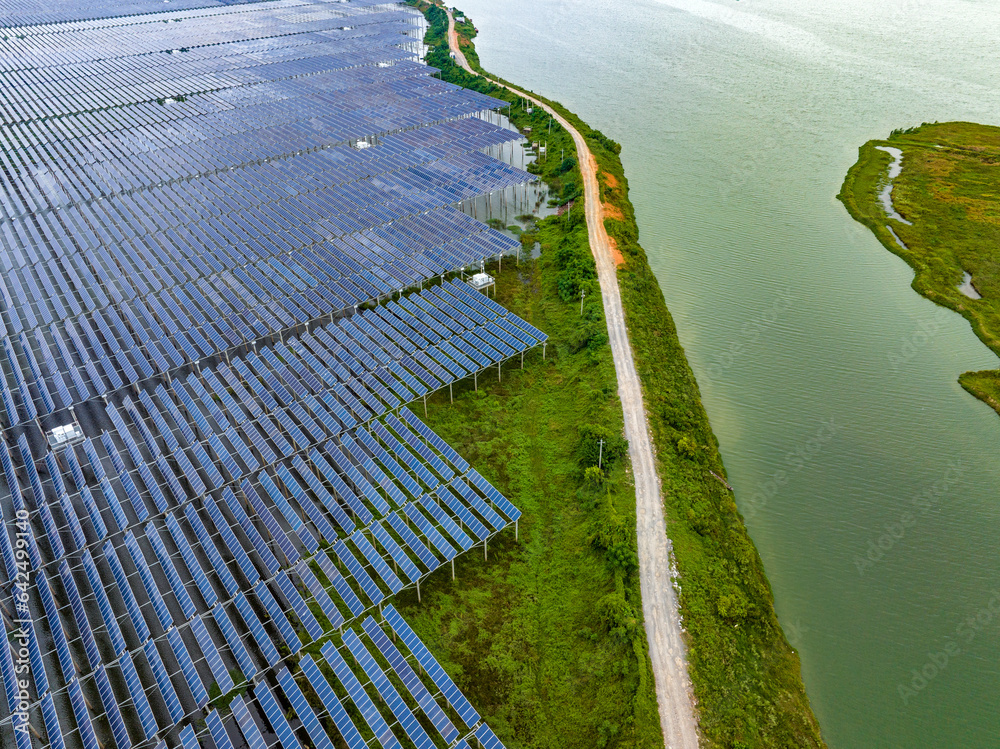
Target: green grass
948, 189
516, 617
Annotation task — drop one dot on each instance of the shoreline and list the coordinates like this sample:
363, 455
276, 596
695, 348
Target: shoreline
937, 243
746, 676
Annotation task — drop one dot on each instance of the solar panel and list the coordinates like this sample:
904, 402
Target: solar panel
487, 738
229, 538
375, 595
430, 665
246, 723
299, 605
343, 588
388, 692
188, 738
83, 722
260, 636
110, 620
236, 645
51, 719
218, 730
276, 717
148, 581
210, 549
288, 633
188, 668
395, 551
138, 694
134, 612
413, 542
334, 706
410, 680
111, 710
170, 571
494, 496
319, 593
305, 713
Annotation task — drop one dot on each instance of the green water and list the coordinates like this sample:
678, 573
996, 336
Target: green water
830, 384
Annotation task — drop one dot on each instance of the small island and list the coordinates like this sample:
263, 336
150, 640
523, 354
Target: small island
930, 194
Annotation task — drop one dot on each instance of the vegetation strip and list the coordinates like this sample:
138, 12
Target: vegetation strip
545, 692
946, 192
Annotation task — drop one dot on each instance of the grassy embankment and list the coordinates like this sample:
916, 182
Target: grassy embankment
535, 674
948, 190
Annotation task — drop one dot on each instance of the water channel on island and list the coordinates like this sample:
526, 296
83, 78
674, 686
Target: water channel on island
870, 480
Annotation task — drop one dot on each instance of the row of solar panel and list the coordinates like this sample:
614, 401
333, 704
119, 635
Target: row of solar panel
319, 181
162, 342
199, 29
285, 586
75, 179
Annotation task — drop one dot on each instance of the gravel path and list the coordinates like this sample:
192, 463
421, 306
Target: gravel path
659, 602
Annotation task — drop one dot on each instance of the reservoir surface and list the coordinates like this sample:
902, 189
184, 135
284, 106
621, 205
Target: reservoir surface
869, 479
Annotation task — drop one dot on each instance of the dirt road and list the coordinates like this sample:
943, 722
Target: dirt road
659, 602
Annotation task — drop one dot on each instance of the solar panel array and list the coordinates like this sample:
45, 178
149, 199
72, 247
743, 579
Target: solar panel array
225, 231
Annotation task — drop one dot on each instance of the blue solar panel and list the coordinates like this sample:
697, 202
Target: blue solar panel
406, 719
430, 532
317, 488
340, 487
251, 532
79, 614
111, 709
274, 528
343, 588
376, 561
134, 612
236, 645
413, 542
188, 738
410, 680
246, 723
334, 707
276, 717
148, 581
319, 593
494, 496
212, 656
288, 633
218, 730
395, 551
138, 693
167, 566
52, 727
260, 636
468, 520
374, 593
79, 705
305, 713
210, 549
474, 500
187, 667
430, 665
439, 444
487, 738
234, 546
110, 620
299, 606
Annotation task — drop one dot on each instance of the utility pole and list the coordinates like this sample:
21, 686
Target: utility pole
600, 453
582, 295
